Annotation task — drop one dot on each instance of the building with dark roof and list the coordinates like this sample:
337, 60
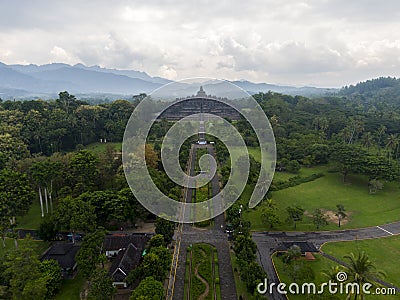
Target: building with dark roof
126, 253
114, 244
64, 254
123, 264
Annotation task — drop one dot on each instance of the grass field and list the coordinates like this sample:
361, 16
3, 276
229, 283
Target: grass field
33, 218
363, 209
71, 288
99, 148
383, 252
320, 264
38, 246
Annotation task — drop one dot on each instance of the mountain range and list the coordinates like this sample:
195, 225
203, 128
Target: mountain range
46, 81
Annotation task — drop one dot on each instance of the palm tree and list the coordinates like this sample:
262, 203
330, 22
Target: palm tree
270, 203
361, 270
346, 134
340, 213
392, 144
331, 274
293, 253
367, 140
379, 133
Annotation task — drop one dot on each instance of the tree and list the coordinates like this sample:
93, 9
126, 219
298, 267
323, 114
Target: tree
47, 230
392, 145
293, 166
151, 156
107, 206
44, 173
148, 289
90, 254
270, 203
319, 218
361, 270
84, 170
367, 140
35, 289
378, 167
75, 214
293, 253
340, 213
252, 274
67, 101
319, 153
12, 148
22, 269
374, 185
156, 263
331, 274
100, 285
379, 134
348, 159
165, 228
15, 199
132, 208
295, 214
51, 273
269, 217
245, 248
156, 241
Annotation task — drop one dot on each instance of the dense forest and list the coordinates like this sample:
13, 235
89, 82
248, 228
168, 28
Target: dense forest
44, 154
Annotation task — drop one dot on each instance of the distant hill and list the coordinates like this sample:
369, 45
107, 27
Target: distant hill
254, 88
30, 81
371, 86
375, 90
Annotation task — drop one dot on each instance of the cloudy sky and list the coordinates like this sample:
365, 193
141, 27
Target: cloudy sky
318, 42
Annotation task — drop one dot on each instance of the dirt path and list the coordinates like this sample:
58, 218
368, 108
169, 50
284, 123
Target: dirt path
205, 294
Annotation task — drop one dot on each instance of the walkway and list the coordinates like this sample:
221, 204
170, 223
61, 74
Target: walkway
214, 236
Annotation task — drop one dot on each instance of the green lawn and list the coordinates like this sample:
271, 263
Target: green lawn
320, 264
383, 252
33, 218
38, 246
255, 152
363, 209
99, 148
71, 288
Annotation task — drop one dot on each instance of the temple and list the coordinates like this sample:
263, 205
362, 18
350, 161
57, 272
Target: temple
200, 103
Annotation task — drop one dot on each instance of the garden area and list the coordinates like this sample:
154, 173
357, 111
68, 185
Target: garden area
202, 276
362, 208
384, 252
301, 270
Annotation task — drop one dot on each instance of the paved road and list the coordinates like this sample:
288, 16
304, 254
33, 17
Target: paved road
267, 243
214, 236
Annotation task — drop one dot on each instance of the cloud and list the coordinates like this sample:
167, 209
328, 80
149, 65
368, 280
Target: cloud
58, 54
319, 42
